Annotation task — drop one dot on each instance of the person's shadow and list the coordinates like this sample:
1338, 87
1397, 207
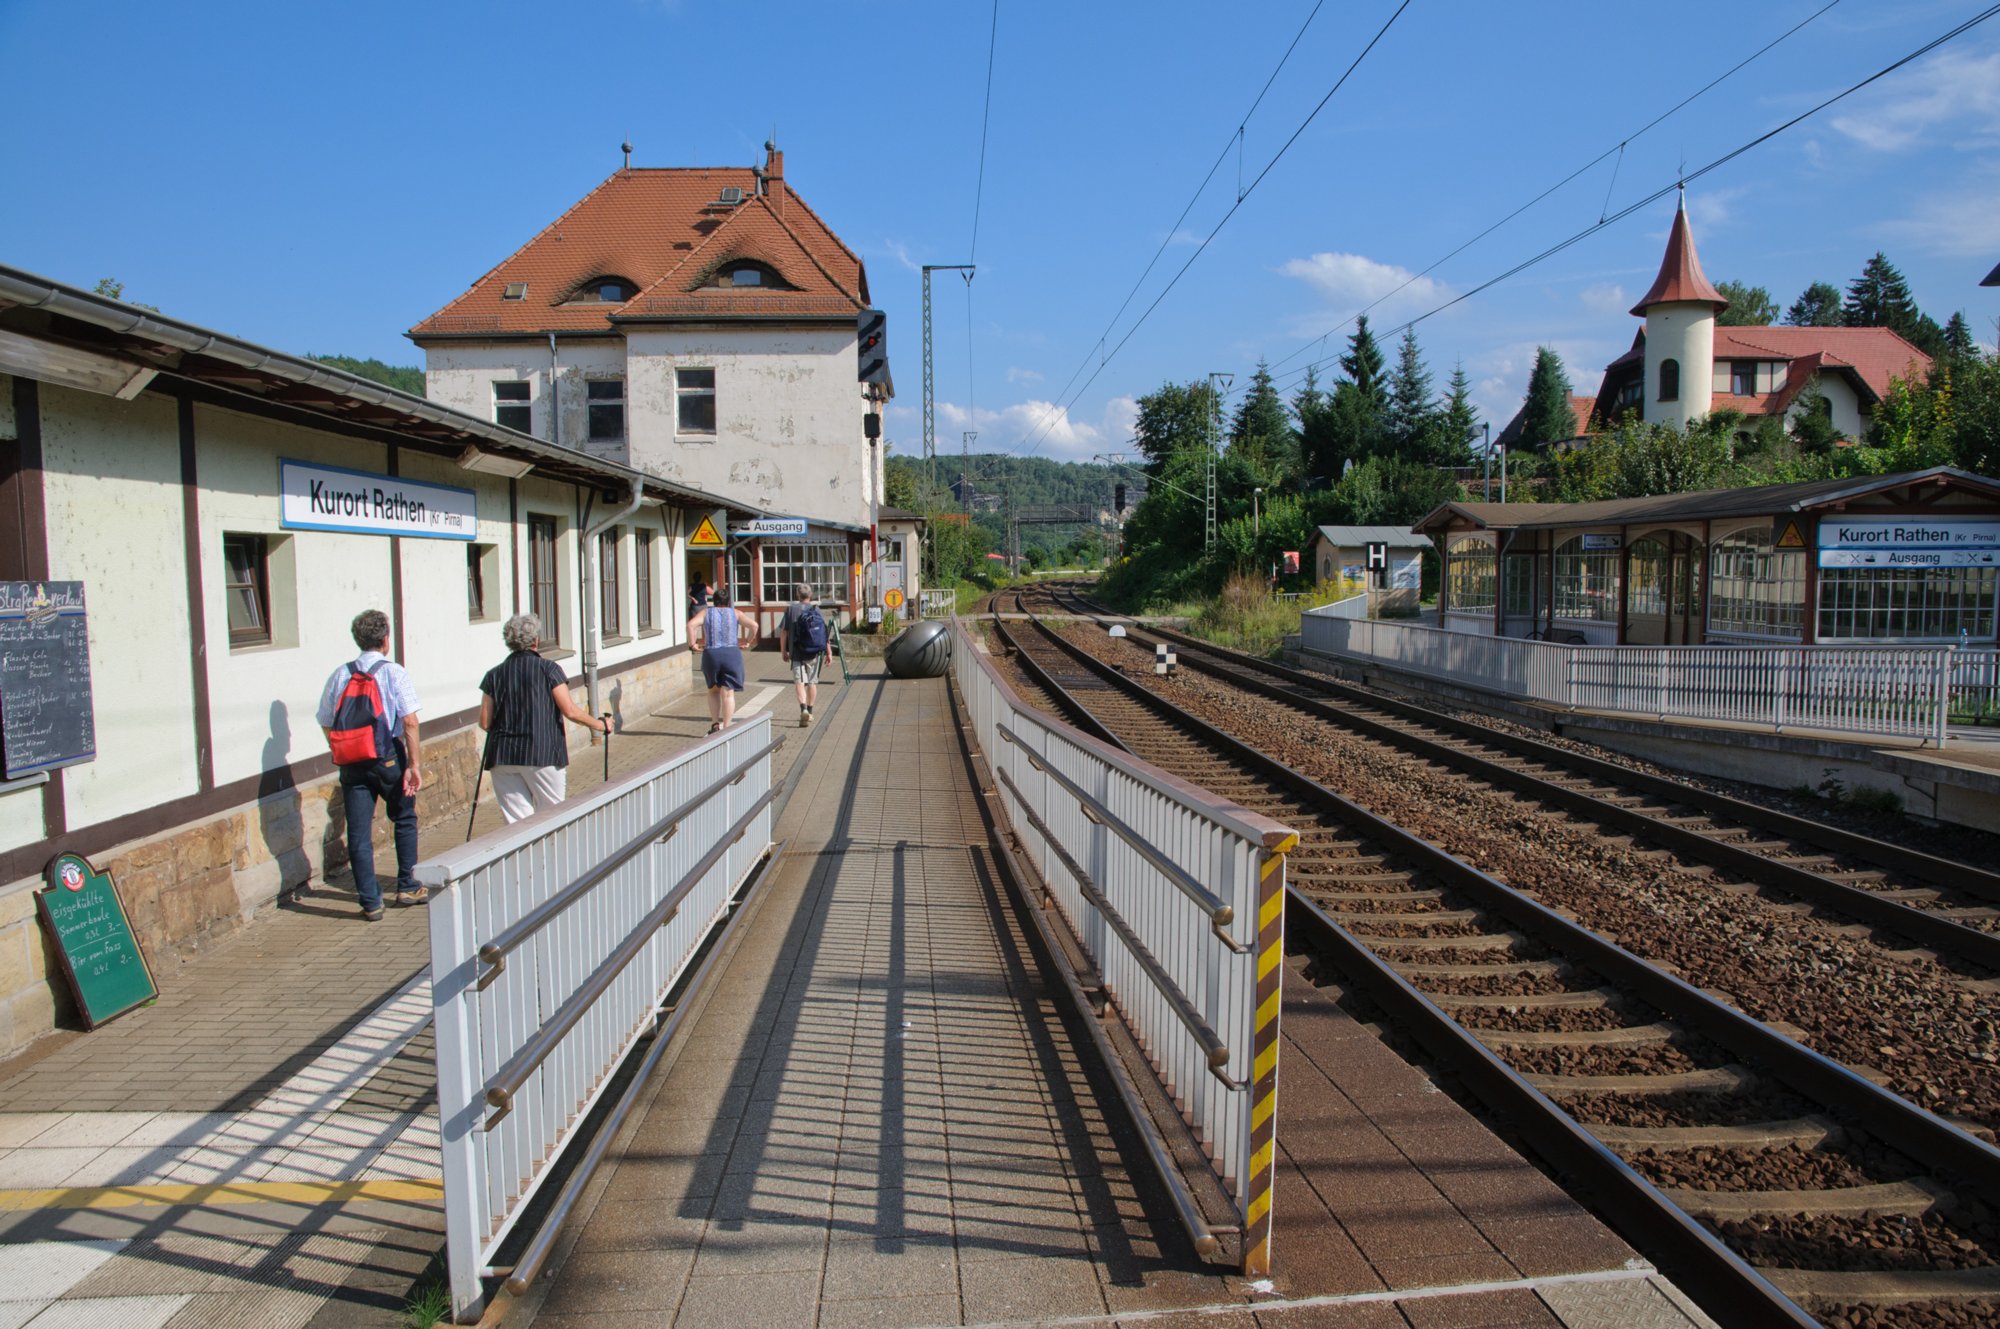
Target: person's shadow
616, 697
279, 814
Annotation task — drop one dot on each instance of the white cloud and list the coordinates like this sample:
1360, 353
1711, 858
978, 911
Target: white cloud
1604, 298
1955, 85
1965, 225
1709, 209
1353, 280
1015, 374
1044, 426
899, 251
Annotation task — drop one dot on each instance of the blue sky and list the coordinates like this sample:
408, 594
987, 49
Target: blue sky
319, 179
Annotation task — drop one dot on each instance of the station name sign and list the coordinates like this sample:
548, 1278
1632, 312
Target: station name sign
769, 526
1909, 542
313, 497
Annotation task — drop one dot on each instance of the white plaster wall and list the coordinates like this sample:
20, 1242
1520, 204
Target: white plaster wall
1846, 404
262, 698
446, 652
788, 418
20, 816
462, 376
113, 497
1684, 332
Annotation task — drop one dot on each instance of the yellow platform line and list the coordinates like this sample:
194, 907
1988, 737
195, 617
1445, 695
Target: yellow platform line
428, 1190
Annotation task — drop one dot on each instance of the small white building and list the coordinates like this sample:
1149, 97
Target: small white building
1342, 553
703, 325
226, 509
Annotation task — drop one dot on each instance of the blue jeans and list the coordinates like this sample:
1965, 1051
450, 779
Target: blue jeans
360, 786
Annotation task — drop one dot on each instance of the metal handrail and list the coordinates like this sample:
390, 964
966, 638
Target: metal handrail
1220, 915
507, 1081
1177, 1001
495, 952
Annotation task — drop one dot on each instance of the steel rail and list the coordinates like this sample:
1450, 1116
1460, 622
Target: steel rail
1924, 927
507, 1081
495, 952
1073, 710
1945, 1149
1897, 858
1216, 1051
529, 1267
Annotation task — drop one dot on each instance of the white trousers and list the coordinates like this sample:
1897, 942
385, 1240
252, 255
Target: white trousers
525, 790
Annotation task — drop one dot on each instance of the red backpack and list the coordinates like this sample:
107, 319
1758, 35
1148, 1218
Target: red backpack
360, 731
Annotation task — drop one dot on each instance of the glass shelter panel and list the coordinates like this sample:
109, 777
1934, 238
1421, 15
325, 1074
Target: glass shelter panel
1470, 574
1756, 590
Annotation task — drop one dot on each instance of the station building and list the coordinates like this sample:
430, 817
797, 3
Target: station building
228, 509
702, 325
1880, 560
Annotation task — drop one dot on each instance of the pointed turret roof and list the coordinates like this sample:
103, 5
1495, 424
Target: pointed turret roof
1680, 276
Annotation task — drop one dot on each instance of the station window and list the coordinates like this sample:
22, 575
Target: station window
1586, 581
482, 575
511, 408
1469, 576
1646, 592
1743, 377
740, 576
694, 390
247, 585
606, 397
543, 580
608, 622
1670, 380
642, 575
1518, 585
1906, 604
820, 566
1754, 589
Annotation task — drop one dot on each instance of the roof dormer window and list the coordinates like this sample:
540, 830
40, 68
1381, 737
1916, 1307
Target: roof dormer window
605, 290
743, 273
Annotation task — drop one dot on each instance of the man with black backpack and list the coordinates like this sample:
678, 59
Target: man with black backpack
369, 712
804, 642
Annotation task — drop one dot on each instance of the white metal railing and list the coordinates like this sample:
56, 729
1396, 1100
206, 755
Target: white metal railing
553, 943
937, 601
1900, 691
1176, 897
1353, 606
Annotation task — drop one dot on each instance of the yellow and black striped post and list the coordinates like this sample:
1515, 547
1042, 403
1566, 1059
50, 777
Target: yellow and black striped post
1264, 1065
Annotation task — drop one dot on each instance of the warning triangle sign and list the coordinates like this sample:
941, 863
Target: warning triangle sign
706, 536
1790, 537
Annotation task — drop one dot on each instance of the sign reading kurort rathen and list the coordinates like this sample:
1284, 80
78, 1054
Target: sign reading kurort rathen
313, 497
1908, 542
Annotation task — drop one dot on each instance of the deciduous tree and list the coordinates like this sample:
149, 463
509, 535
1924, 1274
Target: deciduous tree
1749, 306
1817, 307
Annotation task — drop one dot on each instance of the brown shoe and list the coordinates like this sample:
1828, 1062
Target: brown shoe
371, 915
415, 895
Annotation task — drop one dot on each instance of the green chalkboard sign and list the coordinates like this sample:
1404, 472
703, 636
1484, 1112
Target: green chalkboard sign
86, 920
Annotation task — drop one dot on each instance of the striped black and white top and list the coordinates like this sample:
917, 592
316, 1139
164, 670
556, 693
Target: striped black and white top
527, 727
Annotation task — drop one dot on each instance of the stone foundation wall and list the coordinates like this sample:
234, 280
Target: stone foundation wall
189, 887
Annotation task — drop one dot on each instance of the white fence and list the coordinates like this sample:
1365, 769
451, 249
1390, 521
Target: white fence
1177, 898
938, 601
1902, 691
553, 943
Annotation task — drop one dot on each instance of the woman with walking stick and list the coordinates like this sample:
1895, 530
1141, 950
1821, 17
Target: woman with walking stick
524, 701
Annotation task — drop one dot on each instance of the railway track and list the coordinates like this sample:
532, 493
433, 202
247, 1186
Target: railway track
1762, 1173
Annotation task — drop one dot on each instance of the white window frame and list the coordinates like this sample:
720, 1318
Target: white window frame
524, 403
684, 393
594, 401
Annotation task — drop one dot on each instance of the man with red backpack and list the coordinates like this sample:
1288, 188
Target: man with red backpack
369, 712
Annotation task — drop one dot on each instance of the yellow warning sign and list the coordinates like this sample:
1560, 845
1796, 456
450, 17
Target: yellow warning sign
893, 597
1790, 538
706, 536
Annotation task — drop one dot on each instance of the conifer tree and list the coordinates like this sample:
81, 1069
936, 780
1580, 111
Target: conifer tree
1546, 417
1363, 364
1958, 343
1261, 432
1817, 307
1411, 414
1879, 298
1460, 420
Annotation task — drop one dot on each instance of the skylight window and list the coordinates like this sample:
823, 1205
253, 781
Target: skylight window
515, 290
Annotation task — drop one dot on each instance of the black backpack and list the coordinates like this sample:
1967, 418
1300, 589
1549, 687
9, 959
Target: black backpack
808, 633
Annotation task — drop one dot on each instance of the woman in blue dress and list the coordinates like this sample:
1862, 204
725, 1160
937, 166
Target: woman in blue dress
720, 631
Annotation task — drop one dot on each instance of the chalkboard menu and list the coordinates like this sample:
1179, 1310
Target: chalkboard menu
45, 713
86, 920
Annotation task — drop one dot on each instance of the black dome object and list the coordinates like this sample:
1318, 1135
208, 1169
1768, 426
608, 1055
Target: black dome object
922, 650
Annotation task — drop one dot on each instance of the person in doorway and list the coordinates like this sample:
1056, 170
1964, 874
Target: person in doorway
721, 632
523, 702
368, 711
697, 596
805, 644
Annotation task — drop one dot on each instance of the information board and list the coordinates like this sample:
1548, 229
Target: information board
45, 705
93, 939
1908, 542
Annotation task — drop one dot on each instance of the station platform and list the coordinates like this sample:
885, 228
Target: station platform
880, 1115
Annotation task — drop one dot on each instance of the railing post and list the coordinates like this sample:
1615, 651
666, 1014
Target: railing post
453, 964
1781, 679
1569, 666
1945, 661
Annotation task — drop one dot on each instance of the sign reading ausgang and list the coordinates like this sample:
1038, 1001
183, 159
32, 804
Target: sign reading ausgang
769, 526
1908, 542
313, 497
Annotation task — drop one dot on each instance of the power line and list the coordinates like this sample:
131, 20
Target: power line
1235, 140
985, 115
1233, 208
1618, 150
1696, 174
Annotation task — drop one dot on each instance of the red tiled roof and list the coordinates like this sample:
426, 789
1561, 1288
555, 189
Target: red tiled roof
1870, 357
646, 225
1680, 272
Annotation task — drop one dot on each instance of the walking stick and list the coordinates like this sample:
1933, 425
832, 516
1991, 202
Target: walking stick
607, 747
485, 749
